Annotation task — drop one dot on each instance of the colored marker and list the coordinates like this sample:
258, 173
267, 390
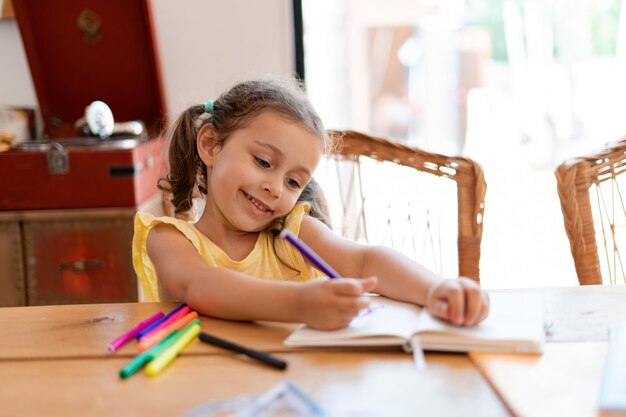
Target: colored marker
308, 253
155, 337
254, 354
159, 363
143, 358
161, 320
169, 320
117, 343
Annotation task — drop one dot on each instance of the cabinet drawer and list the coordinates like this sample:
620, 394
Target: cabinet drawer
12, 288
79, 260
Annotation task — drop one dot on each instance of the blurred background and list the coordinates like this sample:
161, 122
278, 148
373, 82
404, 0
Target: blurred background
518, 85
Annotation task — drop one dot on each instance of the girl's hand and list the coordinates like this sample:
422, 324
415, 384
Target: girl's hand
460, 301
331, 304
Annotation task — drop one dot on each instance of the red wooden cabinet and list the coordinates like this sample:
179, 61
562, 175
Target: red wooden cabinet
78, 259
12, 283
69, 256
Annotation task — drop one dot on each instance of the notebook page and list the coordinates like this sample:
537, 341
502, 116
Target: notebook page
515, 323
385, 322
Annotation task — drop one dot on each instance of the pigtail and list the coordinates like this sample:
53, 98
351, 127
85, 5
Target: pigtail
186, 171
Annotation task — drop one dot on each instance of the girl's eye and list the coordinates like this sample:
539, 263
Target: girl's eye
261, 162
293, 183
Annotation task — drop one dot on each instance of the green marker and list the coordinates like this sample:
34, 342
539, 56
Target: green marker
145, 357
156, 350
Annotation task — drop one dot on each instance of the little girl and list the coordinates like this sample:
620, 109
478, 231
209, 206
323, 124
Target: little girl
251, 155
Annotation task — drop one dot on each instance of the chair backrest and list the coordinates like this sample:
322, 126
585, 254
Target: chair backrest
395, 195
589, 190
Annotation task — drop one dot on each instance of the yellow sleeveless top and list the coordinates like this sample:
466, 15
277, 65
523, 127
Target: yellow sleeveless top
271, 258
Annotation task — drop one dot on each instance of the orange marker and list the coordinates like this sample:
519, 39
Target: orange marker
153, 338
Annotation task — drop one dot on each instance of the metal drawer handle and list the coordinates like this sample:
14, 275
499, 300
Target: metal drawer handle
82, 265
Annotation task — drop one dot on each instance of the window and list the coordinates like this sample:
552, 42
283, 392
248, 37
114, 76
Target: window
518, 85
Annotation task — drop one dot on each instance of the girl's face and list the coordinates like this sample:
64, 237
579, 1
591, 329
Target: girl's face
257, 175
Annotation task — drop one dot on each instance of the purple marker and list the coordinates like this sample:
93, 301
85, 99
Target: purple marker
155, 324
308, 253
117, 343
167, 320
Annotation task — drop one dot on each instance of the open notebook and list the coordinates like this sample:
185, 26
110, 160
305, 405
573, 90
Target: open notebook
514, 324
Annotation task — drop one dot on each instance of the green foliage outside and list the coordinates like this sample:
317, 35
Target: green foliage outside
603, 21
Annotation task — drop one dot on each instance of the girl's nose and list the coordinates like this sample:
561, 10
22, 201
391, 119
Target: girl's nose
273, 187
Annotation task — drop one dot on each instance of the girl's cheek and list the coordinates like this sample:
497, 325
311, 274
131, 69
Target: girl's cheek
290, 203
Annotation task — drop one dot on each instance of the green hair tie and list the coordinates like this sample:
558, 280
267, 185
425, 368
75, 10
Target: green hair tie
209, 106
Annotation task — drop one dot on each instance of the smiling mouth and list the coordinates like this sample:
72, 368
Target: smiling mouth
257, 203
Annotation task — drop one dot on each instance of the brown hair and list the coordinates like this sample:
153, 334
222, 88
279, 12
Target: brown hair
233, 110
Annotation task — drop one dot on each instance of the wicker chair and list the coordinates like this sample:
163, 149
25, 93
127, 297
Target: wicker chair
463, 177
600, 172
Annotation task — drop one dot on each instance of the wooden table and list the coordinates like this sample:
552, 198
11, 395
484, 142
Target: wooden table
565, 380
53, 361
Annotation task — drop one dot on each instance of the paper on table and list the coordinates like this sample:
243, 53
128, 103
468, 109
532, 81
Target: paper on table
612, 401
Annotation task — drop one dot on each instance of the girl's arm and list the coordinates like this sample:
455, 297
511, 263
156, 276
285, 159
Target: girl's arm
460, 301
228, 294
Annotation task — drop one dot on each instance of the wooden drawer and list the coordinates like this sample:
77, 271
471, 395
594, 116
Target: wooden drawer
75, 256
12, 284
80, 259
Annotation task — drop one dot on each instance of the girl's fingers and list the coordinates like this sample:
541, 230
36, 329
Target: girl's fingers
353, 287
461, 302
456, 304
347, 286
473, 304
485, 307
353, 307
369, 284
439, 308
351, 301
476, 303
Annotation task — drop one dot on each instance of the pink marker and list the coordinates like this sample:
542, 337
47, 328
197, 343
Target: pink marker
117, 343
